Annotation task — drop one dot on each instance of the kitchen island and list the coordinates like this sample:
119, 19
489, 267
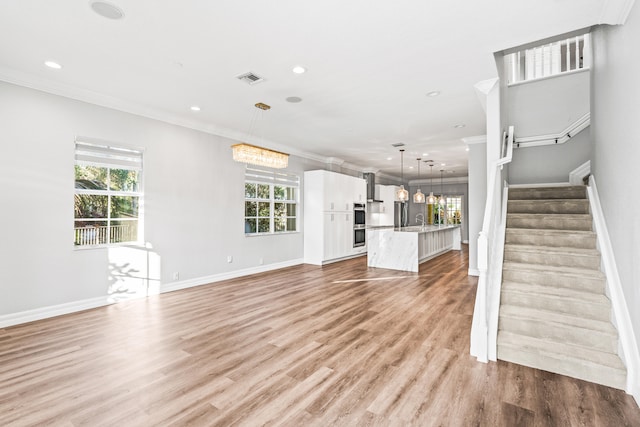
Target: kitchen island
406, 247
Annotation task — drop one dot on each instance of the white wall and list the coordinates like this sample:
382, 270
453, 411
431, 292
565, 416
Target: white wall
477, 199
193, 204
550, 163
615, 110
543, 107
449, 189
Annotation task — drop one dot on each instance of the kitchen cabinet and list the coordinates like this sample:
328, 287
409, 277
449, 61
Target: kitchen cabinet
328, 215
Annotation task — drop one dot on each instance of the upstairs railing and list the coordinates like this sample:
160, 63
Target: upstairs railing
484, 329
571, 54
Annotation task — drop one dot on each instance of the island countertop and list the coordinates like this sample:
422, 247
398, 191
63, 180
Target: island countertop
405, 248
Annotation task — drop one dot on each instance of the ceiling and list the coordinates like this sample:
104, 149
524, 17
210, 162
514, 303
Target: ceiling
370, 65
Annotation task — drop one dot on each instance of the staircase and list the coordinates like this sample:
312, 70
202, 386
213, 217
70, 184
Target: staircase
554, 314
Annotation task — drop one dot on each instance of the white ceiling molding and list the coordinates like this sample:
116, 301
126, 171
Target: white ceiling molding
480, 139
15, 77
615, 12
436, 179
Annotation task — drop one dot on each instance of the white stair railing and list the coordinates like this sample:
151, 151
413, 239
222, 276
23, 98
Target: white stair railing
484, 329
550, 59
556, 138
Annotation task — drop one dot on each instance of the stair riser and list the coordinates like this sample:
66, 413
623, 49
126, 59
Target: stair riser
560, 260
569, 241
548, 193
549, 223
587, 310
604, 375
559, 332
549, 207
591, 284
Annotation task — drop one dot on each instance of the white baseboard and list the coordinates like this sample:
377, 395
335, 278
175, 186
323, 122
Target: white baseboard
465, 242
75, 306
577, 175
198, 281
474, 272
619, 305
52, 311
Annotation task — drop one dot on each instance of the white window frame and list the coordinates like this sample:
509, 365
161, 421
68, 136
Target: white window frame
272, 179
95, 152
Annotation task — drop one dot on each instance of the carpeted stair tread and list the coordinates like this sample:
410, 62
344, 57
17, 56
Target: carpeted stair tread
606, 369
549, 221
540, 315
554, 269
588, 305
556, 292
562, 349
545, 193
547, 237
549, 206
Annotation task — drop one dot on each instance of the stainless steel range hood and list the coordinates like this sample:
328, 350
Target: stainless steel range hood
371, 187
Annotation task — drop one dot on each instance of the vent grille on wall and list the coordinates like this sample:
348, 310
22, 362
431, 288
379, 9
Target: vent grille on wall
250, 78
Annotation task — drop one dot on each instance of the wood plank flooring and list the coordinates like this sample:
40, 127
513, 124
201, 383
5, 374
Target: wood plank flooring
342, 345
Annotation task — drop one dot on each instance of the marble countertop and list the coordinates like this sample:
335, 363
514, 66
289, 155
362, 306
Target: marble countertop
424, 229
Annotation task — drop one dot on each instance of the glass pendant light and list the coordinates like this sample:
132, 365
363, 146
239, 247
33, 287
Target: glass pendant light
441, 199
431, 199
402, 194
419, 196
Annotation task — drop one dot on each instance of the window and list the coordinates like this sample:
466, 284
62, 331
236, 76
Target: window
454, 210
270, 202
108, 194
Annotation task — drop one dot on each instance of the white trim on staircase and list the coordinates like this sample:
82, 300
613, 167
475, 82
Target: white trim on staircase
619, 305
75, 306
577, 175
556, 138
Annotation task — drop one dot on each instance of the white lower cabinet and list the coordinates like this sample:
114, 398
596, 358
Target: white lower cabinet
328, 215
337, 226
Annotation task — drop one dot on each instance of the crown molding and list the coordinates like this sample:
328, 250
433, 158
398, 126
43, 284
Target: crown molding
15, 77
479, 139
615, 12
449, 180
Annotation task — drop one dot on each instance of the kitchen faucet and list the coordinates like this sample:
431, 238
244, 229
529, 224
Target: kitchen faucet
421, 219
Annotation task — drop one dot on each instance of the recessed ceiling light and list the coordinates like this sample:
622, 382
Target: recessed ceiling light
459, 125
299, 69
389, 158
410, 167
466, 149
52, 64
106, 9
425, 154
433, 93
294, 99
443, 164
194, 108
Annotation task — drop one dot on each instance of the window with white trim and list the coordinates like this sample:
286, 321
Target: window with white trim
270, 202
108, 194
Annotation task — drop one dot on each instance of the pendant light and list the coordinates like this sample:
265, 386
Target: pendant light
431, 199
402, 194
419, 196
441, 199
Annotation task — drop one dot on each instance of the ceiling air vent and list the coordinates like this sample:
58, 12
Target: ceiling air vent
398, 144
250, 78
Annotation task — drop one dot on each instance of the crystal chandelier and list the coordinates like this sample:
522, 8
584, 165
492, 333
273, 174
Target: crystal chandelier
259, 156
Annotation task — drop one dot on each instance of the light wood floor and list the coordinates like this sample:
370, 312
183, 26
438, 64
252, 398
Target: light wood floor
335, 345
